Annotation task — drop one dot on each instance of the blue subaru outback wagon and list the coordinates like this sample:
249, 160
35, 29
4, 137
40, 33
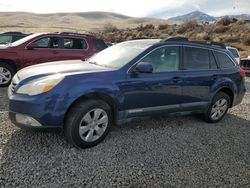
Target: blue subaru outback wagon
127, 80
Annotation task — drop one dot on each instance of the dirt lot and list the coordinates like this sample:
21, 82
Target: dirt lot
165, 152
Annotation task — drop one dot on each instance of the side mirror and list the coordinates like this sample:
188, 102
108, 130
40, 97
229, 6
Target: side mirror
32, 46
144, 67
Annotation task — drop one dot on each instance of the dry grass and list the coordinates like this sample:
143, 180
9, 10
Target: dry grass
232, 33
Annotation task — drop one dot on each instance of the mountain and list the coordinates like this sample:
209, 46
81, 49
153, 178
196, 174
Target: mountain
195, 15
71, 22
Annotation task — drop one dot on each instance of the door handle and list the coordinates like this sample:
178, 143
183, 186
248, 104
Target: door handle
55, 52
215, 76
177, 79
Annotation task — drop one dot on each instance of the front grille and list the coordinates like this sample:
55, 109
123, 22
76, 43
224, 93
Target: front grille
11, 88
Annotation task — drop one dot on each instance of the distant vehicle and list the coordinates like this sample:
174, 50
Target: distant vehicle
235, 53
127, 80
45, 47
245, 64
9, 37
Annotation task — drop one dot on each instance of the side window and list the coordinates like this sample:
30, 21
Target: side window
196, 59
71, 43
47, 42
224, 60
213, 64
163, 59
99, 44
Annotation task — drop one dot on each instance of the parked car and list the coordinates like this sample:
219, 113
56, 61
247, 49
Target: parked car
9, 37
235, 53
245, 65
41, 48
124, 81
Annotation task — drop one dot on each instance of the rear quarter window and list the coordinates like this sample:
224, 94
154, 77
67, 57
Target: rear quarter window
224, 60
99, 44
234, 52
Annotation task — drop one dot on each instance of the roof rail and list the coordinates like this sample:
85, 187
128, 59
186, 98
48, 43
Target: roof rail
72, 33
177, 39
13, 32
183, 39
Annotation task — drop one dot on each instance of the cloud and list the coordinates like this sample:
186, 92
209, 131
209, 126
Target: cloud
137, 8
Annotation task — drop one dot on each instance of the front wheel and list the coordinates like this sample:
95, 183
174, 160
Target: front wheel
218, 108
88, 123
6, 74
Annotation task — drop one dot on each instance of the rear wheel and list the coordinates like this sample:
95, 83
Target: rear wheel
88, 123
218, 108
6, 74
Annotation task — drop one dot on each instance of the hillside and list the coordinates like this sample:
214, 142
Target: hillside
75, 22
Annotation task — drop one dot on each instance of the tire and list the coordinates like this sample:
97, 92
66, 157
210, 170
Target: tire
83, 127
6, 74
218, 108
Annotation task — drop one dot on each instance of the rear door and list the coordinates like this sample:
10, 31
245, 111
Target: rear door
43, 50
74, 48
200, 72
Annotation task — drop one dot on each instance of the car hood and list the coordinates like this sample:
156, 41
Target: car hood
60, 67
3, 46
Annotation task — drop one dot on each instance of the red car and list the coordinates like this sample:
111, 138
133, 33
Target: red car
245, 65
45, 47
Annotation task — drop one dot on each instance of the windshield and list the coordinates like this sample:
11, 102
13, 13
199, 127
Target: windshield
120, 54
25, 39
5, 39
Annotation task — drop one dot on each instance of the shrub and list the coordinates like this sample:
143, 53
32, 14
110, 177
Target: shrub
109, 27
246, 39
163, 26
187, 26
225, 21
221, 29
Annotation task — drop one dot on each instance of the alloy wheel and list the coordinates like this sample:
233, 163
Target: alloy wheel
5, 75
219, 109
93, 125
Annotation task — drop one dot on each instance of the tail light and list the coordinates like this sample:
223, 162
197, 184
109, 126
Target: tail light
242, 73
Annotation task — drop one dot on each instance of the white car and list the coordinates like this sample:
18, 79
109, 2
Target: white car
235, 53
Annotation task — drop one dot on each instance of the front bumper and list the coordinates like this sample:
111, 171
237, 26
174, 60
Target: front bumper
41, 111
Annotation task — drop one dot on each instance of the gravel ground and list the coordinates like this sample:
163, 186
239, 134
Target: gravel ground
163, 152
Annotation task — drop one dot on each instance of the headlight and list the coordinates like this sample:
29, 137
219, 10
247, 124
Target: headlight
40, 86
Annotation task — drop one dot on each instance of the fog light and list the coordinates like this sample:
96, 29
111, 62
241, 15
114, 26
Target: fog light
27, 120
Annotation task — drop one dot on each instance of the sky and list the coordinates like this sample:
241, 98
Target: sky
135, 8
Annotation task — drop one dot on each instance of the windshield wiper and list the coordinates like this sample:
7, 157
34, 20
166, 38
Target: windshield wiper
93, 62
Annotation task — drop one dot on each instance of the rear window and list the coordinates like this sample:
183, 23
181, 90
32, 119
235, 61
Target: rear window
71, 43
100, 44
245, 63
224, 60
17, 37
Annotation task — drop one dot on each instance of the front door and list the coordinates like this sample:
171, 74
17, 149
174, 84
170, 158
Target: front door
157, 91
43, 50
